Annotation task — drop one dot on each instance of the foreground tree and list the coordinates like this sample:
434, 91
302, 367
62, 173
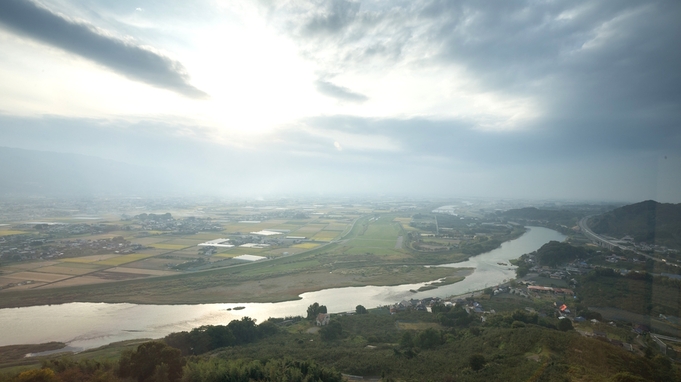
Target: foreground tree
428, 339
361, 310
39, 375
565, 325
331, 331
477, 361
314, 309
152, 361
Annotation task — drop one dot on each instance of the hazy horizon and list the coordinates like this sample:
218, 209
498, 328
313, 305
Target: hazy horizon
525, 100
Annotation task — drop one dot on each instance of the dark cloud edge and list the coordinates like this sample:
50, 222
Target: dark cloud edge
32, 20
339, 92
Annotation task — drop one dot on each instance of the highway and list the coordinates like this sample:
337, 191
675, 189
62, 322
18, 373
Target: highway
600, 240
593, 236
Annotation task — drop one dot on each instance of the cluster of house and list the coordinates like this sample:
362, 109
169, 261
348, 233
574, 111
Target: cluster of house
322, 319
628, 241
166, 223
575, 268
28, 247
552, 290
507, 289
426, 305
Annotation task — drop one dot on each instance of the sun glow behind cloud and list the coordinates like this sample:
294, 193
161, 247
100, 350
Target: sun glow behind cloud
358, 87
257, 80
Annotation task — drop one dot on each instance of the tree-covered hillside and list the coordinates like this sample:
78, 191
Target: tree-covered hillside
409, 346
649, 221
532, 213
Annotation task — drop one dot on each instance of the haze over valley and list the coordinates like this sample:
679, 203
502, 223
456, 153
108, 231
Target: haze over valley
340, 190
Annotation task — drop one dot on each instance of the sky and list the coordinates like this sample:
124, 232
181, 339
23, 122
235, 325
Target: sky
576, 100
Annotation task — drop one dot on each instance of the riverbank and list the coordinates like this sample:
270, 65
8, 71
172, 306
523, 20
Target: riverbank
285, 279
234, 289
161, 308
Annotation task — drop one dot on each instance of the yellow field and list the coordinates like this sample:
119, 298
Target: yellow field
115, 261
226, 255
8, 232
169, 246
325, 235
204, 236
336, 227
148, 240
87, 259
289, 227
308, 230
185, 242
306, 245
405, 224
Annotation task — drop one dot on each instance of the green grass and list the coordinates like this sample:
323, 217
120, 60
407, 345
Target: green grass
366, 243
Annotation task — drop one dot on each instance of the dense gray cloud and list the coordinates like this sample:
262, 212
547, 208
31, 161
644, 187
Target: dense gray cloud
602, 76
334, 18
339, 92
595, 63
29, 19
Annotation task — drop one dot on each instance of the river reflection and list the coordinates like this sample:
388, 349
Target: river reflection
88, 325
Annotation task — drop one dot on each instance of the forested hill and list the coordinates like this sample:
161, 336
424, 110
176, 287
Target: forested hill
555, 253
649, 221
537, 214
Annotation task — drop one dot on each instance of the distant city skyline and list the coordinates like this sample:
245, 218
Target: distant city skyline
553, 100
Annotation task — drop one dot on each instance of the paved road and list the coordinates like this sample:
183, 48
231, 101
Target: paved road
592, 235
601, 240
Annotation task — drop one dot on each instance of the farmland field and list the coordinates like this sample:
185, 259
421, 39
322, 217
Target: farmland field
326, 235
88, 259
359, 252
183, 241
8, 232
124, 259
35, 276
73, 269
28, 266
306, 245
335, 227
169, 246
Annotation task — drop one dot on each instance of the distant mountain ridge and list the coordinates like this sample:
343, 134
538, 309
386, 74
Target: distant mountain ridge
533, 213
648, 221
41, 173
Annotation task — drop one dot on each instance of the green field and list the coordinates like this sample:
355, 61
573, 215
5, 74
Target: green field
369, 243
116, 261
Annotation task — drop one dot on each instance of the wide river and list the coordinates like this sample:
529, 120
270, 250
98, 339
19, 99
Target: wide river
89, 325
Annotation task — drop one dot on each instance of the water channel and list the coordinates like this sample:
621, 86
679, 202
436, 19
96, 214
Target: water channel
89, 325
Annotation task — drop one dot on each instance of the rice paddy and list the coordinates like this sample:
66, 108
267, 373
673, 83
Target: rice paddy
9, 232
169, 246
306, 245
116, 261
165, 252
88, 259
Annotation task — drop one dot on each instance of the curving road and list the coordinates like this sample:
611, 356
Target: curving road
600, 240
